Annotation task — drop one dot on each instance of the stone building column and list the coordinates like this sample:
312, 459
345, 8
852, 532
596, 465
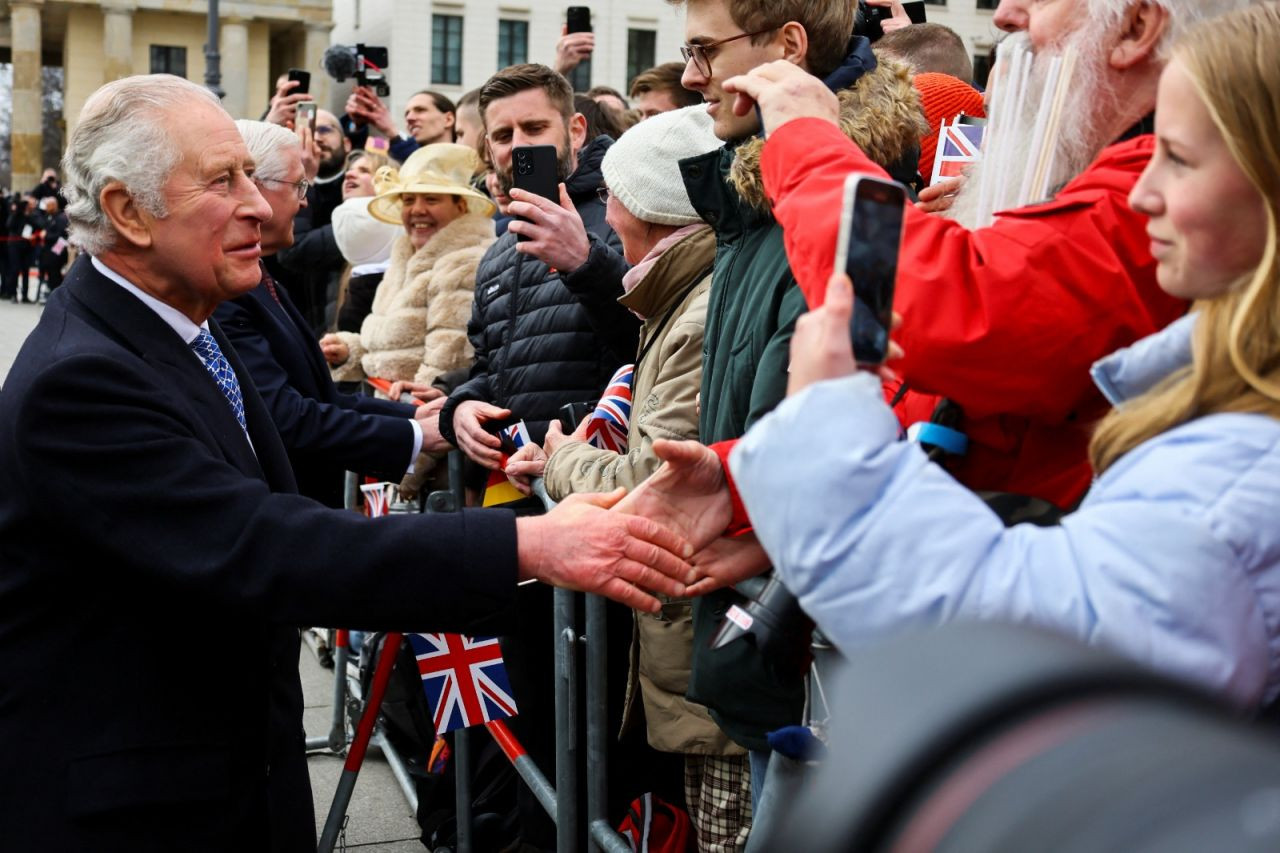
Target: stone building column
234, 47
313, 48
27, 128
117, 39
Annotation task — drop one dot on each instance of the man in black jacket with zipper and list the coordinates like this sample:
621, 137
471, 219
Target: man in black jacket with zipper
546, 325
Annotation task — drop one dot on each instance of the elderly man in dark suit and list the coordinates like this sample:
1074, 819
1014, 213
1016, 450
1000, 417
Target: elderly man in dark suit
325, 432
145, 495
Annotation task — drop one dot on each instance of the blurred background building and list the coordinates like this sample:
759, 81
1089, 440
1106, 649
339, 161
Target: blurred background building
54, 53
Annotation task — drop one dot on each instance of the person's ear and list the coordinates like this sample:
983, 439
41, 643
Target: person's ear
1145, 25
127, 217
450, 119
577, 131
794, 41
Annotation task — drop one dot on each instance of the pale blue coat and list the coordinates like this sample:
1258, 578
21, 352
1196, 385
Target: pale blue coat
1173, 559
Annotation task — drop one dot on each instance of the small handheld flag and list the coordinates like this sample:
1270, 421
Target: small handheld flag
958, 146
608, 425
464, 678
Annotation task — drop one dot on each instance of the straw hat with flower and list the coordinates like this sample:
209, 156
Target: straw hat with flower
441, 168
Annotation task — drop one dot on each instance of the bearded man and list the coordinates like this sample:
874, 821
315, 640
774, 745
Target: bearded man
1004, 320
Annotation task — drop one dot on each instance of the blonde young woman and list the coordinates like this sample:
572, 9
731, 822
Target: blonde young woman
1174, 556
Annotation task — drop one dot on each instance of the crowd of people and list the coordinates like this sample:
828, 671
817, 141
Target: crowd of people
1078, 426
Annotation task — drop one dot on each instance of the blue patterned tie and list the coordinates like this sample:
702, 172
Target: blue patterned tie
220, 369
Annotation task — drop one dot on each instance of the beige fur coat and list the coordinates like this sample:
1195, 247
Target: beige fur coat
418, 326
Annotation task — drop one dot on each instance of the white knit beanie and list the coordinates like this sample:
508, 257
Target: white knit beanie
643, 167
361, 238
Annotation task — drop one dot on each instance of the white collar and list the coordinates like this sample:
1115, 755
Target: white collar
176, 320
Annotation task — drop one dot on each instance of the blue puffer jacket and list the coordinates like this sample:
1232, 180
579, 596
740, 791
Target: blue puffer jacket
1173, 558
543, 339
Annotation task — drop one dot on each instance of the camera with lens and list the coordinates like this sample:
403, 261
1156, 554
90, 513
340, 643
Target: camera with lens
366, 63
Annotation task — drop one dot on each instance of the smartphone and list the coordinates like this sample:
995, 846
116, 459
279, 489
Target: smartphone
578, 19
573, 414
303, 79
535, 168
870, 236
307, 113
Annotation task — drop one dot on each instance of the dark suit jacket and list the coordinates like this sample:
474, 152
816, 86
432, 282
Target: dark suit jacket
136, 525
325, 432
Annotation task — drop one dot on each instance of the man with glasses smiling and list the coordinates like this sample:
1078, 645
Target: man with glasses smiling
753, 307
312, 266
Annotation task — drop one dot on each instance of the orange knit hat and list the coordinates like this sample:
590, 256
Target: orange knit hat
943, 97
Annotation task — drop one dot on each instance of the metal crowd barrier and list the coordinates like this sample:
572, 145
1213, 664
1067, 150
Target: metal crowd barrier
559, 800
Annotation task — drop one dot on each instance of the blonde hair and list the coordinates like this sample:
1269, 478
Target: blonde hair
1235, 365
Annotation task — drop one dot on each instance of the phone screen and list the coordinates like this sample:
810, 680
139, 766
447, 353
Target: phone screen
871, 261
307, 113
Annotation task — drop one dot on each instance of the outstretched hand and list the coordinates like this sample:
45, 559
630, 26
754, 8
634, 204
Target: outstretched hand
783, 91
688, 493
727, 561
580, 545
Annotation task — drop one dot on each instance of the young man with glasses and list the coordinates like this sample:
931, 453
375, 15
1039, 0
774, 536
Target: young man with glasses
753, 307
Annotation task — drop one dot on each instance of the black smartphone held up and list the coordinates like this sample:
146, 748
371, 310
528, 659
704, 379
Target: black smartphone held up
534, 169
307, 113
303, 79
578, 19
870, 235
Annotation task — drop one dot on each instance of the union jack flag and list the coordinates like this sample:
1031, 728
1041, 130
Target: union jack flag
464, 678
958, 146
377, 498
518, 433
608, 425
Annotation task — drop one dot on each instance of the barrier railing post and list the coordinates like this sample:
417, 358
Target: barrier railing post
364, 734
566, 700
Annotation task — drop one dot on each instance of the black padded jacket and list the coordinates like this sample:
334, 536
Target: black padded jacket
543, 339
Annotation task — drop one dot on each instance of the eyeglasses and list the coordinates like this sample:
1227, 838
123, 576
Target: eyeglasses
700, 54
602, 193
300, 186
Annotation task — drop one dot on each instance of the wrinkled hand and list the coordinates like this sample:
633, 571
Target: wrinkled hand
898, 15
468, 419
783, 92
284, 106
556, 234
522, 466
367, 108
821, 347
727, 561
334, 350
572, 49
938, 197
688, 493
311, 155
580, 546
424, 391
428, 417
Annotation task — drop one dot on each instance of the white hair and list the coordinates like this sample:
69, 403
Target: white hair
267, 144
1183, 14
121, 135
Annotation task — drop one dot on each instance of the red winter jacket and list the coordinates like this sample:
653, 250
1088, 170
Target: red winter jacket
1006, 320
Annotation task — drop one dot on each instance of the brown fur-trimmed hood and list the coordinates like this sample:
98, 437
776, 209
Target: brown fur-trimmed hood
881, 113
